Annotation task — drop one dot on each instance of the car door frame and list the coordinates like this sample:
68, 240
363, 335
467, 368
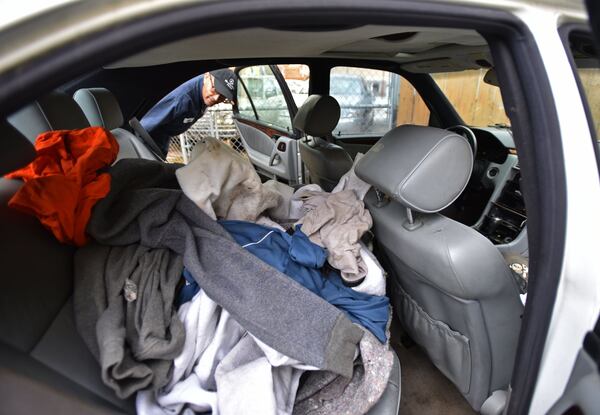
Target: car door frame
580, 395
284, 149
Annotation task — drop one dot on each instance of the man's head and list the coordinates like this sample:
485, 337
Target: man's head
219, 86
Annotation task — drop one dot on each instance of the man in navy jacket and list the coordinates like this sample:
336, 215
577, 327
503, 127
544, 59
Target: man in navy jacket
183, 106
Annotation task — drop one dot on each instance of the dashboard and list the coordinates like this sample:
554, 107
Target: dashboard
492, 202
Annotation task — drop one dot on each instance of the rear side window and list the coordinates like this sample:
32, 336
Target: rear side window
260, 97
296, 77
373, 102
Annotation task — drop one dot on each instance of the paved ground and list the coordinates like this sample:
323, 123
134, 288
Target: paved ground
424, 389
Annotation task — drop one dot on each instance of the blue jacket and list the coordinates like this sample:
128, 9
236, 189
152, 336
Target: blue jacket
296, 256
175, 113
189, 289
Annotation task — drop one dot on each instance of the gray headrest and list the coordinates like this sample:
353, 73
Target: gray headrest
55, 111
100, 107
318, 115
17, 151
423, 168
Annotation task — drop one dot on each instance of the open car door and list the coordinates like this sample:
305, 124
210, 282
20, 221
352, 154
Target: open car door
582, 394
263, 115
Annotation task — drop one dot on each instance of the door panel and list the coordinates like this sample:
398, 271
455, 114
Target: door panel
263, 118
256, 137
270, 156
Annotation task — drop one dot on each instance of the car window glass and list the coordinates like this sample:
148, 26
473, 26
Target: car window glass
261, 89
588, 70
478, 103
372, 101
296, 76
244, 104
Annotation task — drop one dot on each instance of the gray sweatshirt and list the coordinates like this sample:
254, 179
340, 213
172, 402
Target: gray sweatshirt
124, 312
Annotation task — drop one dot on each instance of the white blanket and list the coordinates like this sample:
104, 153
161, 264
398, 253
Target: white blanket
223, 369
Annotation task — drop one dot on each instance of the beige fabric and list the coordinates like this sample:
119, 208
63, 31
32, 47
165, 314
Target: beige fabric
281, 212
299, 198
350, 181
337, 221
224, 184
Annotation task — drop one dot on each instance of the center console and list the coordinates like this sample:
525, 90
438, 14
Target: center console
506, 216
504, 225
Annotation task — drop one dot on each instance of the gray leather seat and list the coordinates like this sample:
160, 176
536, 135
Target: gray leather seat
44, 365
54, 111
326, 162
102, 109
58, 111
452, 290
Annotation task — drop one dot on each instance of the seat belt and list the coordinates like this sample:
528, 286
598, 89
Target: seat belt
141, 132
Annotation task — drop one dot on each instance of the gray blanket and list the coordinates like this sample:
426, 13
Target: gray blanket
325, 393
124, 312
145, 206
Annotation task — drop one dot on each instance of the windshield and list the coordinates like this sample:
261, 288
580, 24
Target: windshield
479, 104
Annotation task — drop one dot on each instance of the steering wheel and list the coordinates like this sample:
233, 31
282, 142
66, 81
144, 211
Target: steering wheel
467, 133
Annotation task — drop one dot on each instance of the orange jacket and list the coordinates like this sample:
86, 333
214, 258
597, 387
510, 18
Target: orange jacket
62, 183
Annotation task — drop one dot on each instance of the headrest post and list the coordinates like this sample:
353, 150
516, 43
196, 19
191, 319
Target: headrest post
410, 216
411, 224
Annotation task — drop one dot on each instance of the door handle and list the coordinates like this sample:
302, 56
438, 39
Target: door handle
275, 158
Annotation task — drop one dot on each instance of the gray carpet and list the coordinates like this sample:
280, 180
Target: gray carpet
424, 389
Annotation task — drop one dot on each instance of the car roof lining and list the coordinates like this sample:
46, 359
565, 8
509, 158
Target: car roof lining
417, 49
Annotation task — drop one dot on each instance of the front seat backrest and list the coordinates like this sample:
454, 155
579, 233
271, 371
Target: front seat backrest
102, 109
326, 162
54, 111
452, 289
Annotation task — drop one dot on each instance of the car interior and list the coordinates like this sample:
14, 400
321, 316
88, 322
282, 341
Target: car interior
449, 218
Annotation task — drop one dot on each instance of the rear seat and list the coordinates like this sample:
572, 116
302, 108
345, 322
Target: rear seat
55, 111
101, 108
44, 365
94, 107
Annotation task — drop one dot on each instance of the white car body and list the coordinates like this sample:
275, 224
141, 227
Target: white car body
577, 301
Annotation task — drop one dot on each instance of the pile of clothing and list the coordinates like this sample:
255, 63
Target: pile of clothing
201, 289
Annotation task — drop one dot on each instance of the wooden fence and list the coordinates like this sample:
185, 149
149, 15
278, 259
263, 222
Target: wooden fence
478, 103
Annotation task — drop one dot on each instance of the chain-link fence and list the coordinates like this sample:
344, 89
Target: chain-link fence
368, 99
218, 123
